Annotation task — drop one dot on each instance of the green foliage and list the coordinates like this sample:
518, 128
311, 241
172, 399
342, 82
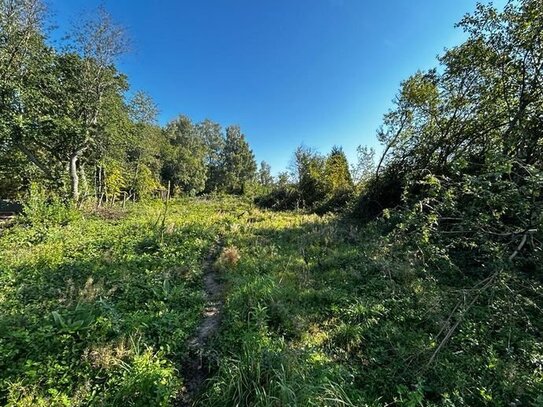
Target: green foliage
458, 189
318, 303
79, 319
238, 166
337, 177
321, 184
213, 138
147, 380
185, 165
317, 311
463, 155
60, 107
264, 175
266, 374
145, 182
309, 175
364, 167
42, 209
281, 197
64, 117
338, 183
115, 180
98, 311
434, 300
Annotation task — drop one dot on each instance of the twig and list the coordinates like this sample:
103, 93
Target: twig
522, 243
489, 281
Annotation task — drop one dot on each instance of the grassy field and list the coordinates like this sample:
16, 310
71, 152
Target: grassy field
317, 311
99, 310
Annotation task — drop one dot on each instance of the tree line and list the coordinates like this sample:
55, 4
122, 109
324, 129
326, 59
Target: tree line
67, 123
462, 152
70, 123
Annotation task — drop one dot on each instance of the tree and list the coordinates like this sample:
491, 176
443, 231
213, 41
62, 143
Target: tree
283, 179
463, 143
21, 24
145, 145
264, 174
213, 138
59, 109
336, 173
365, 165
23, 57
307, 170
143, 109
238, 162
184, 157
338, 185
99, 42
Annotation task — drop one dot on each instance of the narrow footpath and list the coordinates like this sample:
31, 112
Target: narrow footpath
196, 367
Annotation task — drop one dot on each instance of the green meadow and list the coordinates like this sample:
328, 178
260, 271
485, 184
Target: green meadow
98, 309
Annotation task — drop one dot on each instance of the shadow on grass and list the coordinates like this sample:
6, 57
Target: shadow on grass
319, 302
73, 324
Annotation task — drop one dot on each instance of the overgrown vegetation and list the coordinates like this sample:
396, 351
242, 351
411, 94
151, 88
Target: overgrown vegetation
69, 121
97, 309
318, 311
414, 279
323, 312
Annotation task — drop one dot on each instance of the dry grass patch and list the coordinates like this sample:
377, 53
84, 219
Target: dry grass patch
228, 258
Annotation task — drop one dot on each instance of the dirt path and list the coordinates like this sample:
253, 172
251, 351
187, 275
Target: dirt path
196, 367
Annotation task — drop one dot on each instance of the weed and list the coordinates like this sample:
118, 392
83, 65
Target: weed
228, 258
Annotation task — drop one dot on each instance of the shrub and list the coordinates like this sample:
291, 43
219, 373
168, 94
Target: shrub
43, 208
145, 182
280, 198
149, 380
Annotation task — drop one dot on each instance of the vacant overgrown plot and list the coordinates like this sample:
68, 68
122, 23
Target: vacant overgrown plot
156, 264
99, 309
322, 312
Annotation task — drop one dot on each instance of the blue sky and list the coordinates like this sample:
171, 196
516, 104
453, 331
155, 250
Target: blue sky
317, 72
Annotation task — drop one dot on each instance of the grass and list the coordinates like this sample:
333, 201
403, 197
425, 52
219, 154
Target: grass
321, 312
98, 311
318, 312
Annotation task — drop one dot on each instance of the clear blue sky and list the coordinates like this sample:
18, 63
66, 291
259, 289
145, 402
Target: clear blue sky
318, 72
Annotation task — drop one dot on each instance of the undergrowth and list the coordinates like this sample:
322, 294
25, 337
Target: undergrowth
96, 310
322, 312
317, 312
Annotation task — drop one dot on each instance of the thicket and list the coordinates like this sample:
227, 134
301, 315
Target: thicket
461, 177
315, 183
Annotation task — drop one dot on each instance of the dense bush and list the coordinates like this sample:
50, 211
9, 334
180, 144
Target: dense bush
319, 184
280, 198
42, 208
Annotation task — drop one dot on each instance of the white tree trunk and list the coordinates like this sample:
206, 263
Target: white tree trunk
74, 176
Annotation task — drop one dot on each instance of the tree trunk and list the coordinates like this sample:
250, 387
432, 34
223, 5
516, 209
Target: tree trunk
84, 181
99, 190
74, 176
